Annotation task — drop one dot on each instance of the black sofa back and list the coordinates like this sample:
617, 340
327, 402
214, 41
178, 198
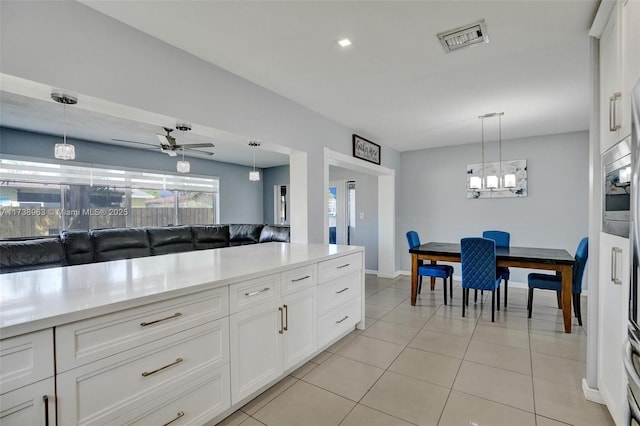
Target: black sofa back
99, 245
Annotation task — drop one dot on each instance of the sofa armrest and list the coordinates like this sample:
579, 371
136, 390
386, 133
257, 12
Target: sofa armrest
33, 253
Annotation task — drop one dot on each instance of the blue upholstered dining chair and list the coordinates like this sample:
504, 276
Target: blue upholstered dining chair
554, 282
479, 269
435, 271
502, 240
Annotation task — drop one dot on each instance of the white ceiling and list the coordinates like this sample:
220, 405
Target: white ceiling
394, 85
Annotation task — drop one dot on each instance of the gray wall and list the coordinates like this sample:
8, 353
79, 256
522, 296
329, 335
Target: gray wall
240, 199
68, 45
273, 176
365, 232
432, 198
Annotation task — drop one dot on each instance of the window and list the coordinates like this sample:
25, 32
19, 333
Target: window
41, 199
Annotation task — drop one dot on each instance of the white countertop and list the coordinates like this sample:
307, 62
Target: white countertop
34, 300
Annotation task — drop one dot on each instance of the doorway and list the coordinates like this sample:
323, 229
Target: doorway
342, 211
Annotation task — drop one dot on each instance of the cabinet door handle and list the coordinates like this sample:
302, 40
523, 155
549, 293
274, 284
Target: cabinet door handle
343, 266
300, 279
614, 265
253, 293
176, 315
45, 399
281, 331
286, 317
613, 116
180, 414
148, 373
345, 317
342, 291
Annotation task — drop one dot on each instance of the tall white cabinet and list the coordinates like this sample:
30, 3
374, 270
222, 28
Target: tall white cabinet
617, 28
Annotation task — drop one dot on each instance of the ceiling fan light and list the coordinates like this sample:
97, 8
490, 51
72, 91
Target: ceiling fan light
64, 151
183, 166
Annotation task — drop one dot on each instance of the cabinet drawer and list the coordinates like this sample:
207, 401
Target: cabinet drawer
27, 405
253, 292
333, 268
25, 359
91, 392
298, 279
202, 399
338, 292
86, 341
338, 322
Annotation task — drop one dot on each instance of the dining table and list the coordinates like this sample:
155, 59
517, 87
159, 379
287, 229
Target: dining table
558, 260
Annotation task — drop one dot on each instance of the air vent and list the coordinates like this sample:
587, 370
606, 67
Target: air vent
465, 36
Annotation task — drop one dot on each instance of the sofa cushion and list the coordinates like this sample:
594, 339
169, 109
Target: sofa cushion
27, 254
210, 236
120, 243
244, 234
78, 247
274, 233
170, 239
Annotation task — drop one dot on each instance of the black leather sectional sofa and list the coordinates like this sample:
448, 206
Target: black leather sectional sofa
99, 245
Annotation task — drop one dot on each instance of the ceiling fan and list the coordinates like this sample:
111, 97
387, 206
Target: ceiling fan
168, 143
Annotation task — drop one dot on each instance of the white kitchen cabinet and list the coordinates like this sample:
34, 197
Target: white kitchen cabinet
32, 405
631, 49
613, 116
269, 339
340, 296
27, 387
613, 317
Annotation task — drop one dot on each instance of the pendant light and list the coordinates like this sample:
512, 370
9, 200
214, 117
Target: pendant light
492, 182
183, 166
64, 150
254, 175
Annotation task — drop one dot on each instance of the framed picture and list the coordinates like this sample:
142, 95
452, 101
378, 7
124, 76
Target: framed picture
366, 150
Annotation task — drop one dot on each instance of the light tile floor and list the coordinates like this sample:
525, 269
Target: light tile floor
426, 365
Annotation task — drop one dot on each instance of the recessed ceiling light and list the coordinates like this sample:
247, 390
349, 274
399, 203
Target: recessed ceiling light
345, 42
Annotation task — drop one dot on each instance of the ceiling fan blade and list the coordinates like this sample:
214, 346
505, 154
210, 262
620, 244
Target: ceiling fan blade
128, 141
200, 152
196, 145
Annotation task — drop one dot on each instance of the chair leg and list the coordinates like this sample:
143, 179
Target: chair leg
444, 284
451, 287
577, 308
498, 296
506, 292
559, 297
493, 305
530, 302
475, 296
464, 297
419, 284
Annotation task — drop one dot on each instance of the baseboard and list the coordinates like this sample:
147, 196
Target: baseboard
591, 394
383, 275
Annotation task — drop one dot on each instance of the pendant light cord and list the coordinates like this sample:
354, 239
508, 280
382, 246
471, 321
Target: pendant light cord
64, 134
500, 147
482, 183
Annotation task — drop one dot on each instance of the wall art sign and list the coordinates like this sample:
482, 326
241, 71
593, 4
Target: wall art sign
366, 150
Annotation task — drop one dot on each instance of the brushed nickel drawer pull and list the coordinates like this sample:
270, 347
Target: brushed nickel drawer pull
300, 279
253, 293
176, 315
45, 399
345, 317
148, 373
343, 266
180, 414
343, 290
286, 317
281, 331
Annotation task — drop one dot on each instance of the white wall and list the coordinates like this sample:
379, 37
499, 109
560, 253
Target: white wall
70, 46
432, 197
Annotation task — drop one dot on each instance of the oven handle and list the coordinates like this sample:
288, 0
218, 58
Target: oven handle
632, 374
633, 406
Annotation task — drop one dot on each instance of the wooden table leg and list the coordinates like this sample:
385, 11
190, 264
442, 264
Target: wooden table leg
567, 272
414, 279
